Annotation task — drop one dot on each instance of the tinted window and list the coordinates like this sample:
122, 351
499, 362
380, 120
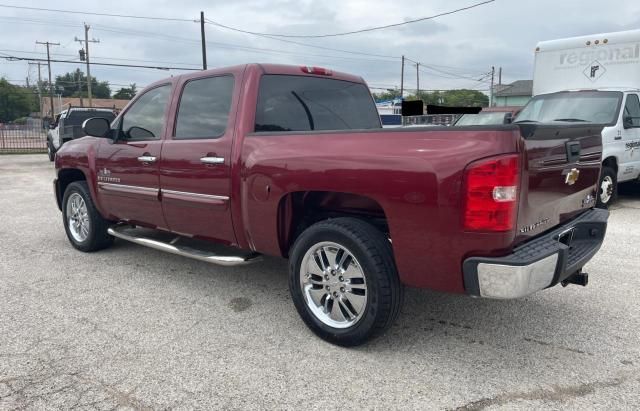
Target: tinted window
580, 106
145, 119
301, 103
204, 108
632, 109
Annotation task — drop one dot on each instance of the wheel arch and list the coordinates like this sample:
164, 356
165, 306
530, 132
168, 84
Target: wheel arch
611, 161
67, 176
300, 209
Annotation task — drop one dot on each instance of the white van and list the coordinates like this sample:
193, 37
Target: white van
595, 79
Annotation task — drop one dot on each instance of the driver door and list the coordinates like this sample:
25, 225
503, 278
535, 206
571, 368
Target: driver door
127, 167
630, 166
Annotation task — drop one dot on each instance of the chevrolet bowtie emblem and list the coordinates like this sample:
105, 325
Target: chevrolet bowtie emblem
572, 176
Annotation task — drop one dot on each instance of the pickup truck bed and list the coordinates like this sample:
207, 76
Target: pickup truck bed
293, 162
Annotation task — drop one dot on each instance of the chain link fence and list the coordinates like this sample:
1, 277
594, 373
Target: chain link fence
23, 138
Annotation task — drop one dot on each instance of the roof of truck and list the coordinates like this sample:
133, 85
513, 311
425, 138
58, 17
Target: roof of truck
269, 69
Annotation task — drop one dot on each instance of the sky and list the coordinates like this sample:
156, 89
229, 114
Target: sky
455, 51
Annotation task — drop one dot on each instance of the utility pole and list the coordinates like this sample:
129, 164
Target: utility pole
39, 86
46, 43
79, 81
418, 80
500, 76
86, 56
402, 79
204, 42
493, 75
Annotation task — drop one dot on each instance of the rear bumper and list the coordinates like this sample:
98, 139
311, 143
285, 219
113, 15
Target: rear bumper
540, 263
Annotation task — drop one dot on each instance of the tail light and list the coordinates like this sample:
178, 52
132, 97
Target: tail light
316, 70
491, 194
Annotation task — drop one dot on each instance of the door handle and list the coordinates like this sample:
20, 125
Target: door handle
212, 160
147, 159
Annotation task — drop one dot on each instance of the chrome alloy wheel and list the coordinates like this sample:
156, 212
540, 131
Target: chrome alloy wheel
77, 217
606, 189
333, 285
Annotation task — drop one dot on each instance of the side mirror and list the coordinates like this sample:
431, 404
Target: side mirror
96, 127
627, 122
508, 118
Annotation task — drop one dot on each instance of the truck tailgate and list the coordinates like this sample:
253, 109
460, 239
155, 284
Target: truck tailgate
560, 175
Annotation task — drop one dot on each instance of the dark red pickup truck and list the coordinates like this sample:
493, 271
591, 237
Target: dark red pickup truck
293, 162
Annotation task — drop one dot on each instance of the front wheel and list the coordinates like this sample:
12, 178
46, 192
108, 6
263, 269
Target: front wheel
607, 189
343, 281
85, 227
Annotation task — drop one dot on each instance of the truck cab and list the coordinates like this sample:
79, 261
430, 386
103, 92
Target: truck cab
593, 79
68, 126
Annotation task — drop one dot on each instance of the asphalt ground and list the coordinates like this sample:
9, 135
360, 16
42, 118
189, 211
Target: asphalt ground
134, 328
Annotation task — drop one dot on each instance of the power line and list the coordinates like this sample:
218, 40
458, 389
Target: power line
8, 57
90, 13
346, 33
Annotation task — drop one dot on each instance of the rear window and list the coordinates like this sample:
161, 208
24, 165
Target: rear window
302, 103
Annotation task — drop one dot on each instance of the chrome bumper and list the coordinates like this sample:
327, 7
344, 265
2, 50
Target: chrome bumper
539, 263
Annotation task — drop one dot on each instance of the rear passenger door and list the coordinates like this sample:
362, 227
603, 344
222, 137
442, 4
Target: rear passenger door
195, 167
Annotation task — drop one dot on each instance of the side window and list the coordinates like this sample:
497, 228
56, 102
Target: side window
303, 103
632, 109
145, 119
204, 108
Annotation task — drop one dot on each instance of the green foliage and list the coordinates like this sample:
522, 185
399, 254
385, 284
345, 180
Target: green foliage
16, 101
126, 93
458, 98
74, 84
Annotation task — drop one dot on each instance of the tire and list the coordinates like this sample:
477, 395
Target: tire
51, 152
366, 306
607, 188
90, 232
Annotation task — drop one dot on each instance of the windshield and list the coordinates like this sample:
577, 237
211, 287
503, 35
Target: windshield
481, 119
599, 107
76, 118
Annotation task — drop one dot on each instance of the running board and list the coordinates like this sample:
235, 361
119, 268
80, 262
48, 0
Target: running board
184, 246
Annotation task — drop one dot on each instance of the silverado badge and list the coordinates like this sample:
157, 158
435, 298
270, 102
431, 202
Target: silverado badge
572, 176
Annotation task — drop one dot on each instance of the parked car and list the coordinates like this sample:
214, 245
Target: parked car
292, 162
68, 125
489, 116
594, 79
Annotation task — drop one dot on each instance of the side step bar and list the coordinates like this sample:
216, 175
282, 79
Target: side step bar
184, 246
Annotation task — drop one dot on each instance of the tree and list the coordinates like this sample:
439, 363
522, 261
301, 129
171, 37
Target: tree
74, 84
126, 93
16, 101
453, 98
390, 94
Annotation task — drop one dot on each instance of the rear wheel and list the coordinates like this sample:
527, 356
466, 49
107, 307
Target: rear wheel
51, 152
85, 227
344, 282
607, 189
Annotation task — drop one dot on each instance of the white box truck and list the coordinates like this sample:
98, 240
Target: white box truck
594, 79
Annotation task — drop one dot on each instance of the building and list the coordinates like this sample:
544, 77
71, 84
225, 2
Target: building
517, 93
62, 103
